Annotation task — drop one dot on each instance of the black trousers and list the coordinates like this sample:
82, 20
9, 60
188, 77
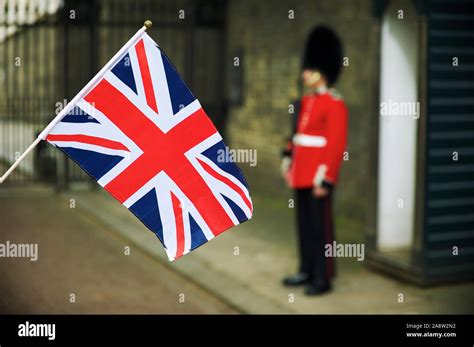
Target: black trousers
315, 230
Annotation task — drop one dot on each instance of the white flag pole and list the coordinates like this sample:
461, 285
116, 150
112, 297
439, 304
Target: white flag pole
78, 97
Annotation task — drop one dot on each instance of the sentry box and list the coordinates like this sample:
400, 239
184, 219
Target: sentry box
421, 225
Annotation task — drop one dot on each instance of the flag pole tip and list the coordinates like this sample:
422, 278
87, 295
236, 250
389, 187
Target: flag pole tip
148, 24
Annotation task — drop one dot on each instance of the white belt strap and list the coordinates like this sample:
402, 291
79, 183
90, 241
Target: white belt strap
309, 140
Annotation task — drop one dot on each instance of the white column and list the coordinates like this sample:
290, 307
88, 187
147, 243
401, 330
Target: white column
398, 126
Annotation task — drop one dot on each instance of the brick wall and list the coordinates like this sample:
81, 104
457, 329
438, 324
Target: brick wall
271, 45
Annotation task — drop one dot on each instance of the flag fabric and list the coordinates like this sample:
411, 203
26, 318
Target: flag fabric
145, 138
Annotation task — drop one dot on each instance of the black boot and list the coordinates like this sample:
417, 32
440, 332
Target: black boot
318, 288
296, 279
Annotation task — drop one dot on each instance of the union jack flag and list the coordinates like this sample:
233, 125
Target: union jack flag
146, 139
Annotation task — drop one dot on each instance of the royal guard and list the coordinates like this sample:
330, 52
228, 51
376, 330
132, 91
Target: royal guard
312, 158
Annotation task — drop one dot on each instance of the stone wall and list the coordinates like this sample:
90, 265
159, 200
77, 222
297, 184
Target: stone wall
271, 44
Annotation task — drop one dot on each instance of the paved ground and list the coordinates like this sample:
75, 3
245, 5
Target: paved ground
78, 255
250, 278
242, 267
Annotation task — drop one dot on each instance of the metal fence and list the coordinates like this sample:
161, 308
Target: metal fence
50, 49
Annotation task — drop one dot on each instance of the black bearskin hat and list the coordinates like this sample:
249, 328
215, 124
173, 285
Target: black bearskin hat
323, 52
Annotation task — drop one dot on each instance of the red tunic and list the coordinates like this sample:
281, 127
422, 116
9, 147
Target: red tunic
320, 140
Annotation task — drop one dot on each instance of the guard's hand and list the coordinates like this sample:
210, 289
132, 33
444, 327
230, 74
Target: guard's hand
320, 192
284, 168
286, 177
